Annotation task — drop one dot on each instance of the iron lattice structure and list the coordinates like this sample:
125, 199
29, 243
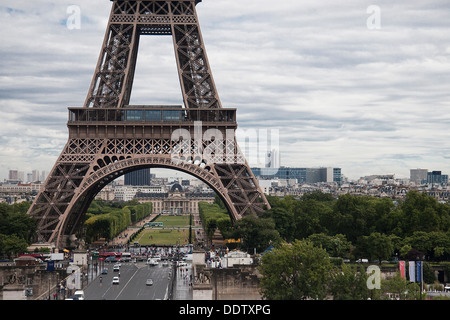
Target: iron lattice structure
108, 137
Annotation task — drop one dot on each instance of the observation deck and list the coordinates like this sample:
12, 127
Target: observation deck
145, 120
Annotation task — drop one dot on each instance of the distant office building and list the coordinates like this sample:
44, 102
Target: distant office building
437, 177
418, 176
128, 192
13, 175
138, 178
43, 176
302, 175
34, 175
124, 193
337, 175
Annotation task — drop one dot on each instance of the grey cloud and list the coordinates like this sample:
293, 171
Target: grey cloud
342, 94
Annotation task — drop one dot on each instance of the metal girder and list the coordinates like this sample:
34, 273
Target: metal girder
112, 82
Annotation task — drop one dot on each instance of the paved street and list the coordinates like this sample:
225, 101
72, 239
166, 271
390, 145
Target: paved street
132, 283
133, 275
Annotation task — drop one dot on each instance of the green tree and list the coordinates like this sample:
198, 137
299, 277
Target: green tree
421, 212
318, 196
295, 271
428, 273
256, 233
400, 288
435, 245
378, 246
357, 216
349, 284
336, 246
288, 202
11, 245
284, 222
14, 220
213, 217
308, 217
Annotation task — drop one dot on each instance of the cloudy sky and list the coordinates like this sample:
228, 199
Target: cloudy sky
363, 85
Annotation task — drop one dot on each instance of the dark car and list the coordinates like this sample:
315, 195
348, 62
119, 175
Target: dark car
111, 259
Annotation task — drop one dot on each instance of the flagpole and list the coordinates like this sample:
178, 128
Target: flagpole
421, 279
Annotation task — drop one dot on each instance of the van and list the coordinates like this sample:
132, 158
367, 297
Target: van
152, 262
79, 294
362, 260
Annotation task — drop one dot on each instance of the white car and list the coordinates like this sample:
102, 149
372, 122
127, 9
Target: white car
79, 294
115, 280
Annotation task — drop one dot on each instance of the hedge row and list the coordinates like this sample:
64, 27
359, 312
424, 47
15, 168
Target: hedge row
213, 217
140, 211
114, 220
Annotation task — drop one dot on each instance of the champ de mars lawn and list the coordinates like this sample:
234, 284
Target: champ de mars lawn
175, 230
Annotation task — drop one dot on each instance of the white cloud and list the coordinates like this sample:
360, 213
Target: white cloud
342, 95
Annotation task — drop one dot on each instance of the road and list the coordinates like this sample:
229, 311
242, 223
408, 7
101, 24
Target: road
132, 283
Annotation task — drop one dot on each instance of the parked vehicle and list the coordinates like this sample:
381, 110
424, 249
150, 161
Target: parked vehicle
362, 260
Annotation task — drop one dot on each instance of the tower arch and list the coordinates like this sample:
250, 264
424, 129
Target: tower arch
74, 217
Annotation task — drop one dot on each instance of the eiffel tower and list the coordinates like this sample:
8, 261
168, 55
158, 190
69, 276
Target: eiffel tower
109, 138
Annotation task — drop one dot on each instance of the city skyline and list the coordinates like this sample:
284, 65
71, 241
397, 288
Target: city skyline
358, 85
326, 174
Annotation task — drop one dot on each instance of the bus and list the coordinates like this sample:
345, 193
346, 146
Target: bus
115, 256
125, 256
154, 224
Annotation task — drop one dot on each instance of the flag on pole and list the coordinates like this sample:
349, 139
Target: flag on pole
412, 274
419, 271
402, 268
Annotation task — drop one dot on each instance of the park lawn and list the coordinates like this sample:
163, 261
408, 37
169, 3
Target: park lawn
174, 221
160, 237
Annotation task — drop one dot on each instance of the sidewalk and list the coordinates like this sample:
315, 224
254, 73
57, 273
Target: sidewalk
182, 290
199, 233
